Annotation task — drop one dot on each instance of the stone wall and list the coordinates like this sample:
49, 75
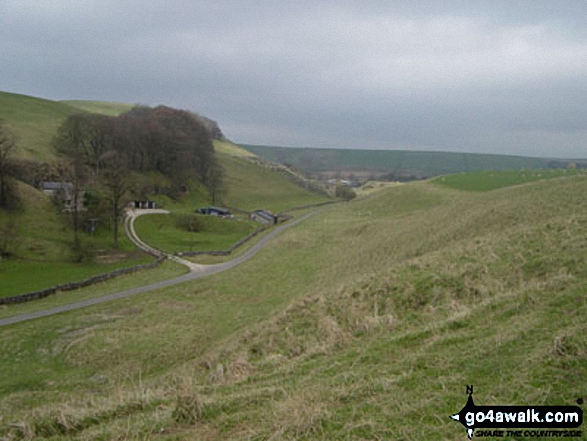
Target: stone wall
76, 285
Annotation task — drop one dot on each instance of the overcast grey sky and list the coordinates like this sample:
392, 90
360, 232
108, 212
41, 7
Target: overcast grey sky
482, 76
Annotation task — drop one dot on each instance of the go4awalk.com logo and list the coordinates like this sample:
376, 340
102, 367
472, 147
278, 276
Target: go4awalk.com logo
520, 421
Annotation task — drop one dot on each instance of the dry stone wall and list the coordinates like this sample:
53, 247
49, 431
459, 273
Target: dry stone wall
76, 285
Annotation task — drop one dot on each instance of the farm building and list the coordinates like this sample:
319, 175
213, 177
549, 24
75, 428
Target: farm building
344, 182
214, 211
144, 204
63, 191
264, 217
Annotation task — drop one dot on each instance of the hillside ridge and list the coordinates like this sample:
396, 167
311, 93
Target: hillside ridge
398, 164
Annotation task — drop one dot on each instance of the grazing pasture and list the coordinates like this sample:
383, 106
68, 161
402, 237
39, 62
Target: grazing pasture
161, 231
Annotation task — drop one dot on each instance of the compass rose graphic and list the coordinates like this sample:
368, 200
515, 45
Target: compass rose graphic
460, 416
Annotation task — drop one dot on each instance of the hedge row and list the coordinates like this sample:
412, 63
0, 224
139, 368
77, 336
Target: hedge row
76, 285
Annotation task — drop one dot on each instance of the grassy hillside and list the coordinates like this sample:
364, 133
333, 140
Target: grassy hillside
101, 107
247, 186
364, 322
34, 121
43, 256
423, 164
251, 187
229, 148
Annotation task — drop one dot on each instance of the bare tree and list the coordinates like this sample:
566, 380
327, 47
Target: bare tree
116, 183
174, 143
100, 138
78, 178
215, 182
87, 137
7, 168
72, 140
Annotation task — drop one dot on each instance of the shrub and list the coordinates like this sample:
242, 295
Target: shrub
189, 409
189, 222
10, 239
344, 192
81, 251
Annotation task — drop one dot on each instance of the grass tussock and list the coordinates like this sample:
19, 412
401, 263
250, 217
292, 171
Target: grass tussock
189, 409
301, 415
71, 419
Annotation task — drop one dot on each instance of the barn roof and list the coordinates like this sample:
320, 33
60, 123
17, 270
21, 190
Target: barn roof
55, 185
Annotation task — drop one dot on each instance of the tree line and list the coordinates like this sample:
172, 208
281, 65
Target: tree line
175, 143
104, 152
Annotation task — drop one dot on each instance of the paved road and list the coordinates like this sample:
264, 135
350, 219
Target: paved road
196, 273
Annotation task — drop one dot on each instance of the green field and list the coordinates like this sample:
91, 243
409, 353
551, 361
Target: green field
364, 322
42, 248
166, 270
21, 276
423, 164
491, 180
160, 231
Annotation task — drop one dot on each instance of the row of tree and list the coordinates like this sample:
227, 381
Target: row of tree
105, 151
175, 143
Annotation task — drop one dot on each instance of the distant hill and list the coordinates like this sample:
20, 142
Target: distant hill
397, 164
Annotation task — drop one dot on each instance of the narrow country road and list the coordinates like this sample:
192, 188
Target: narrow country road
129, 228
196, 272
